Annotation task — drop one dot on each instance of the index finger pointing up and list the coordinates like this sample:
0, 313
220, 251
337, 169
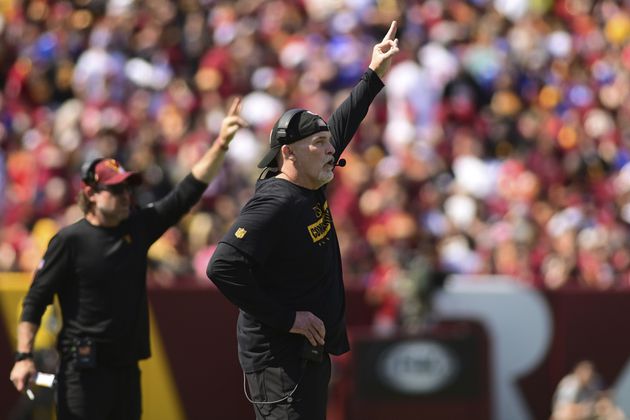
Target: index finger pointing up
392, 31
236, 104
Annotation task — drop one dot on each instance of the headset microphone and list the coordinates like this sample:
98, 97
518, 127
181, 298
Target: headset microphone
341, 163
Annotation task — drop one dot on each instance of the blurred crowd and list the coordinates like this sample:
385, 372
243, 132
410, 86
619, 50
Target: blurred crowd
500, 145
581, 395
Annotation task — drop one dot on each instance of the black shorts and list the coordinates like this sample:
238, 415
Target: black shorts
98, 393
309, 399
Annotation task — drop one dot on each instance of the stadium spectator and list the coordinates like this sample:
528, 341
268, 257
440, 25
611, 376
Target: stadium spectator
577, 393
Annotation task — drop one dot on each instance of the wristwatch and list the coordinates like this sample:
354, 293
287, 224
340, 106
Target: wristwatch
19, 356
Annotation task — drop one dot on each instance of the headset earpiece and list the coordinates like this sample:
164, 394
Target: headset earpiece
87, 172
282, 132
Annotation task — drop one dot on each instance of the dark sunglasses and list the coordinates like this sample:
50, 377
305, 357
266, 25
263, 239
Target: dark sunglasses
117, 189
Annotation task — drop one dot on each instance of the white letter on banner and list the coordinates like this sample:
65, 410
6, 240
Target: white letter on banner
518, 323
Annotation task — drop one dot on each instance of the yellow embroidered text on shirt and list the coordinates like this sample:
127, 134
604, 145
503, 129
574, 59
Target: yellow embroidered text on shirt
321, 227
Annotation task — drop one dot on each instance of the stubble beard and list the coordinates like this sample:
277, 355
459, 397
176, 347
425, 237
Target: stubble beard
326, 176
117, 214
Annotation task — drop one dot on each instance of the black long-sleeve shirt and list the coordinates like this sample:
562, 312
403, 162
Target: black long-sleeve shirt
282, 256
99, 274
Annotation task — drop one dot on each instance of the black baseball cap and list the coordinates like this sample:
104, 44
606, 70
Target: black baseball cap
301, 125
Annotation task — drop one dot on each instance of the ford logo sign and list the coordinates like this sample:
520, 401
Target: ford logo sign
417, 367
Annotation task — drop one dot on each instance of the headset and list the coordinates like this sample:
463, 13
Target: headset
87, 171
282, 132
283, 127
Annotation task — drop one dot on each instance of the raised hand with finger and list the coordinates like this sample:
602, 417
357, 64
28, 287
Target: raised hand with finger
207, 167
231, 123
383, 52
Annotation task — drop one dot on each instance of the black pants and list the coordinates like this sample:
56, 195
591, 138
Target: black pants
100, 393
274, 383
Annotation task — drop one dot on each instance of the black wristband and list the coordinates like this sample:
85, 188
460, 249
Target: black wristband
19, 356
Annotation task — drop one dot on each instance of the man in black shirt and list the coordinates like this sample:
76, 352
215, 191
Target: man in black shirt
280, 261
97, 267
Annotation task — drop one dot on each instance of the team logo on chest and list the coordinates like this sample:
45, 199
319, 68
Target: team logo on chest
320, 229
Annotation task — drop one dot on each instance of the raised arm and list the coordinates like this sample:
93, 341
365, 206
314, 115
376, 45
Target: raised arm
345, 121
165, 212
207, 167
